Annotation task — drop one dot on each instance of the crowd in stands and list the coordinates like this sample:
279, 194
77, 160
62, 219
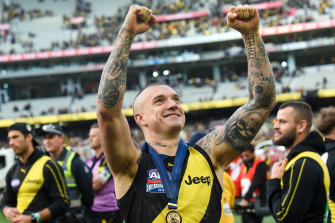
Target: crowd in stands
105, 27
196, 88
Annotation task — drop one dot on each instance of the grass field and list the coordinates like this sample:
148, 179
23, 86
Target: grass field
3, 219
267, 219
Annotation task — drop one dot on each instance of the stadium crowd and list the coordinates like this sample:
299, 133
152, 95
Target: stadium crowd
103, 28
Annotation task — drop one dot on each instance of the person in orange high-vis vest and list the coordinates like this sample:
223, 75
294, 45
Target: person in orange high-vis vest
252, 181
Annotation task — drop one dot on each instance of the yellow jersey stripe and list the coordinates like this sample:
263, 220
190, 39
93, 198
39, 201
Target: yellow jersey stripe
295, 190
58, 184
288, 193
31, 184
60, 177
197, 186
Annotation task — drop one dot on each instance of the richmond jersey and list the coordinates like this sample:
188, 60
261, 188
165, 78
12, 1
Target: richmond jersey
199, 195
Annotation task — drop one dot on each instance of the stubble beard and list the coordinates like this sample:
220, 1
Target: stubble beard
286, 140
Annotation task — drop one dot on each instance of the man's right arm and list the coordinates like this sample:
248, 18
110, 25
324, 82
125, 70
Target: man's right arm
119, 149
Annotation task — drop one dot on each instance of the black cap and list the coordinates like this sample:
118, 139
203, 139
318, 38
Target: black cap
25, 128
52, 129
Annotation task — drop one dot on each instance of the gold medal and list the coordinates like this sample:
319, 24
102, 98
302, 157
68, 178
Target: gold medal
173, 217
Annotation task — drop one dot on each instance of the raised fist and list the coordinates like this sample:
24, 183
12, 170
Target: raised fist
139, 19
244, 19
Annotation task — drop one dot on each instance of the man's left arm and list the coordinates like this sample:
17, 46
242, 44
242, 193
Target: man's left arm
226, 143
83, 177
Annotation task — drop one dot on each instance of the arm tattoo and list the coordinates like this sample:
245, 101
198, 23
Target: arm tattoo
244, 124
212, 138
113, 78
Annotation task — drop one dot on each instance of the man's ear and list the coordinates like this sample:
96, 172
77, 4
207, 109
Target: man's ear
29, 137
139, 119
302, 126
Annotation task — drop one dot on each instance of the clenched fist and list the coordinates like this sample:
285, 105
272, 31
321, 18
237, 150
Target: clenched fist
139, 19
243, 18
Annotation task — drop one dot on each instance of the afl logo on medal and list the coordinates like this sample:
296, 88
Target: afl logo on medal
173, 217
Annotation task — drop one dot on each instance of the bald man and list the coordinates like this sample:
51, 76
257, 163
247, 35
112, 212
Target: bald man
166, 180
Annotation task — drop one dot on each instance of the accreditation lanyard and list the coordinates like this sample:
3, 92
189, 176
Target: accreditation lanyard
171, 187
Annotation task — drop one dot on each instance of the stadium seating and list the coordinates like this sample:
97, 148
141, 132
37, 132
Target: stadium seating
46, 38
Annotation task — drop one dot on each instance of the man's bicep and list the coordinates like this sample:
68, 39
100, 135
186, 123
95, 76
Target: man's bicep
117, 143
226, 143
220, 152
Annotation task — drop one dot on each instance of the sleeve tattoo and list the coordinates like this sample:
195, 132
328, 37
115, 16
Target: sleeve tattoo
245, 123
113, 79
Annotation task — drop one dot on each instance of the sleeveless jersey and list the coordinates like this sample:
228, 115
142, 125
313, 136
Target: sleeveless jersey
199, 198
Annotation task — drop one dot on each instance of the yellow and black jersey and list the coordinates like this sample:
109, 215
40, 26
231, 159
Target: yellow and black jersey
199, 198
35, 185
301, 196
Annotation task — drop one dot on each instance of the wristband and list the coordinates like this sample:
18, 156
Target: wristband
35, 217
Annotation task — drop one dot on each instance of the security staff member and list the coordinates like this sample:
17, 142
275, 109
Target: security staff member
35, 186
77, 174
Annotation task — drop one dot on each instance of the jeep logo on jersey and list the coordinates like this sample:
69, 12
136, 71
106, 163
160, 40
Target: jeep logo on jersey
154, 182
15, 183
198, 180
30, 181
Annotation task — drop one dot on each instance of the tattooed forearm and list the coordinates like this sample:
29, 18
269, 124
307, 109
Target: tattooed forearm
250, 46
245, 123
261, 81
113, 79
243, 126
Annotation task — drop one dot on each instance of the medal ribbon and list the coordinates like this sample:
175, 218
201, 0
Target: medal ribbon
171, 187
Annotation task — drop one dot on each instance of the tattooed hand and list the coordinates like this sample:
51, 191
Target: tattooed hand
139, 19
244, 19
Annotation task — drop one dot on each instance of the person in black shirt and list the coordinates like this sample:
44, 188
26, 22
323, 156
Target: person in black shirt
35, 186
299, 185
